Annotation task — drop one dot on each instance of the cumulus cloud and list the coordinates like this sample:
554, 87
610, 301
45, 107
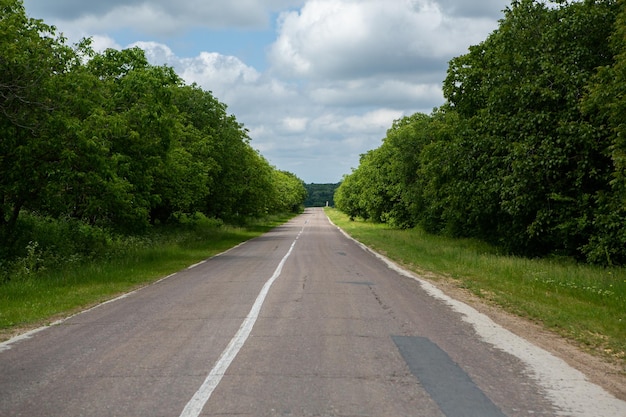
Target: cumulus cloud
346, 38
295, 124
157, 53
329, 146
338, 72
372, 92
160, 16
229, 78
213, 68
101, 43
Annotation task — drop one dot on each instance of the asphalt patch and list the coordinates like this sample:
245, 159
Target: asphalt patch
447, 384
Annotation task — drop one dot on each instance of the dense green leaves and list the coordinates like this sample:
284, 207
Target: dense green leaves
290, 192
320, 195
111, 141
527, 152
30, 56
605, 104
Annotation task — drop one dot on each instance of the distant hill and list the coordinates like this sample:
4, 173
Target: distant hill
320, 194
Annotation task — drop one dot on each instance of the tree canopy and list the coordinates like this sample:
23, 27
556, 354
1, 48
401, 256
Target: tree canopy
527, 152
112, 141
319, 195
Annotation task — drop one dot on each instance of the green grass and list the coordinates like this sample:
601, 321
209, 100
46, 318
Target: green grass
584, 303
35, 298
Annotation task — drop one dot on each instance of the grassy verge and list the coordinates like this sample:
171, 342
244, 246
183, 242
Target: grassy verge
584, 303
35, 298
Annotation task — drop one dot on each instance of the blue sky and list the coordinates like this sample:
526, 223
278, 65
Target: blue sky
249, 45
317, 82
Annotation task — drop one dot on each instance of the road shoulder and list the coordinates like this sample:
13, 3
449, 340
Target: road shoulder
608, 375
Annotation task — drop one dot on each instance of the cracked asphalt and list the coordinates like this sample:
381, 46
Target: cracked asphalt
339, 334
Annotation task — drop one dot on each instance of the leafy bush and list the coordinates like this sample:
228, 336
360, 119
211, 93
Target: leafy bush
528, 150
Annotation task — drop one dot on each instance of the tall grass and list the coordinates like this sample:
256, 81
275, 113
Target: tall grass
584, 303
40, 285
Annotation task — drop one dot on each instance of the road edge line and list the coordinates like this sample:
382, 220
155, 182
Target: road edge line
550, 372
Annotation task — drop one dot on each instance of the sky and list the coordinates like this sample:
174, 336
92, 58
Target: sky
316, 82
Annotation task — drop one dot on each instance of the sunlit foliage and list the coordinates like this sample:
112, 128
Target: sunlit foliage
528, 150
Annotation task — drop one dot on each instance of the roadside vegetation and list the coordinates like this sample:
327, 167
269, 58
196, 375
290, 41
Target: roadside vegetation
584, 303
114, 172
528, 151
516, 186
43, 285
110, 141
320, 195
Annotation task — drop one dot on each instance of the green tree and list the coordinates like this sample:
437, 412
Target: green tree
521, 88
231, 169
32, 60
138, 123
109, 140
515, 156
318, 195
290, 192
606, 106
349, 195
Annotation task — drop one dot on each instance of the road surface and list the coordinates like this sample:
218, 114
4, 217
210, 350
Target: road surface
302, 321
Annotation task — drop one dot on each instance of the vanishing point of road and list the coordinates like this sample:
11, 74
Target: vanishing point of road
302, 321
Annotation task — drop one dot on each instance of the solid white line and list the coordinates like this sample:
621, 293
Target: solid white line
25, 336
198, 264
6, 345
196, 404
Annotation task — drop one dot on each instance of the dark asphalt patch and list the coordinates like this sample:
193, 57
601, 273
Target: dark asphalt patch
448, 385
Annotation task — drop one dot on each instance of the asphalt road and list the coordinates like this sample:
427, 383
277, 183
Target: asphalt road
299, 322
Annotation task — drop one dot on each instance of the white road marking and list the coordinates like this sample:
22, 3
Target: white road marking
25, 336
566, 387
6, 345
195, 265
196, 404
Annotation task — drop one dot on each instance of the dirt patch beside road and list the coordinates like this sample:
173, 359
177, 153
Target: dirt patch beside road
601, 371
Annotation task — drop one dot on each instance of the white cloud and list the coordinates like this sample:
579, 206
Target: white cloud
226, 76
157, 53
295, 124
341, 39
159, 16
375, 91
339, 71
101, 43
339, 124
210, 68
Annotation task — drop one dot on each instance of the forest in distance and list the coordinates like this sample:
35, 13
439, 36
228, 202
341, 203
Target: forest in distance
105, 144
528, 151
320, 195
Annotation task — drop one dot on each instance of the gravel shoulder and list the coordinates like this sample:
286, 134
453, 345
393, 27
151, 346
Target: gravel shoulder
609, 375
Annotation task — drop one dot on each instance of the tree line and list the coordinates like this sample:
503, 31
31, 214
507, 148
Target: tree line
320, 195
111, 141
528, 151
